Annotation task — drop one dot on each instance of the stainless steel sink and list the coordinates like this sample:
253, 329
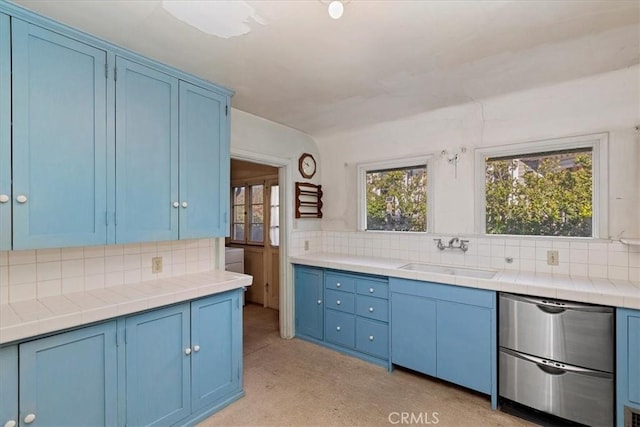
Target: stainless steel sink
453, 271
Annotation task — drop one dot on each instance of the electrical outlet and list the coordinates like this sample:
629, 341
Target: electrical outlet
306, 245
553, 258
156, 264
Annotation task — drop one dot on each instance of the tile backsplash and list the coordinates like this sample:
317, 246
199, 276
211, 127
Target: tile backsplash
47, 272
597, 259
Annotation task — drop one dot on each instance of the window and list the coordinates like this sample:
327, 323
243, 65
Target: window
393, 196
550, 188
250, 204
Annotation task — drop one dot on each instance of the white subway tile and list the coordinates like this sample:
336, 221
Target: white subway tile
45, 255
93, 281
598, 257
22, 257
132, 276
72, 284
22, 292
114, 263
93, 266
94, 252
618, 273
581, 270
131, 248
4, 258
528, 252
71, 253
114, 278
49, 288
618, 259
131, 262
48, 270
598, 271
113, 250
22, 273
580, 256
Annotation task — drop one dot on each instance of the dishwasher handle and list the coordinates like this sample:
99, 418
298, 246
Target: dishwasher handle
555, 368
552, 306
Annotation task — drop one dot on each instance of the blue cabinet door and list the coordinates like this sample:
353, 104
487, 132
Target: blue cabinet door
71, 379
146, 154
204, 152
633, 355
309, 302
158, 366
5, 135
413, 332
8, 385
465, 339
59, 140
628, 361
216, 341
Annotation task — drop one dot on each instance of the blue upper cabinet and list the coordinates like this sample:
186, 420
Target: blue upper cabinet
204, 160
5, 134
59, 139
146, 154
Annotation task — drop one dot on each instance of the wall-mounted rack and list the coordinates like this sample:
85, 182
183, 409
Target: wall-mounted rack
308, 200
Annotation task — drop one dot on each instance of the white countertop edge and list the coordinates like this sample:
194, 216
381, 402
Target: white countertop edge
29, 318
581, 289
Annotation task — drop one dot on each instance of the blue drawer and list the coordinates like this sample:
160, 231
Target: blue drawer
340, 282
373, 308
340, 328
453, 293
372, 337
343, 301
373, 288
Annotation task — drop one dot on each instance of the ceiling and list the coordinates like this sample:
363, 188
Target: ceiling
289, 62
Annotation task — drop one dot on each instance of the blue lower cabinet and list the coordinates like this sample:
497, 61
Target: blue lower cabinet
628, 365
309, 306
340, 328
9, 385
158, 366
70, 379
372, 337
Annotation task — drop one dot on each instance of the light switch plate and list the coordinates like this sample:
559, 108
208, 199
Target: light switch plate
553, 258
156, 264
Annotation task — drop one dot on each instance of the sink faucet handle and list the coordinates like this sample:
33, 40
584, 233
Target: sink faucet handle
439, 244
463, 245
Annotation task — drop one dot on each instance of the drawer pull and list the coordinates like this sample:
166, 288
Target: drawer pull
338, 285
338, 328
10, 423
370, 309
29, 418
338, 302
187, 351
4, 199
370, 337
319, 301
371, 290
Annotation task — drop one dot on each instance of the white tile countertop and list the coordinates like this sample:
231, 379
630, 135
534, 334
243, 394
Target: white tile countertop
617, 293
29, 318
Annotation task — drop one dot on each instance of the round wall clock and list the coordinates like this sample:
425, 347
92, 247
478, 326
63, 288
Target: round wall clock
307, 165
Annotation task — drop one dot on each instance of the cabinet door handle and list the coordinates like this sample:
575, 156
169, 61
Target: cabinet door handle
370, 309
175, 204
371, 290
196, 348
29, 418
185, 204
10, 423
370, 337
338, 328
22, 199
187, 351
338, 284
338, 302
319, 301
4, 199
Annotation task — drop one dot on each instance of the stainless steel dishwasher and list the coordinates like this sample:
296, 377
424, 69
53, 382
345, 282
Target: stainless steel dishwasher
558, 357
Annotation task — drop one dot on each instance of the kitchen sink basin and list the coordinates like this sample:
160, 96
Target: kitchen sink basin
454, 271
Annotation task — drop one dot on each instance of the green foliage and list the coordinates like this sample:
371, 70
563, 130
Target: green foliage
397, 200
550, 201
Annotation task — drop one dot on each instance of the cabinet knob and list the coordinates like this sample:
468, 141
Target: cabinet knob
185, 204
21, 199
187, 351
338, 328
196, 348
319, 301
371, 290
4, 199
338, 284
175, 204
29, 418
10, 423
370, 309
338, 302
370, 337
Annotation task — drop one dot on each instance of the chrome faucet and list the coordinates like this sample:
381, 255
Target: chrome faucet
463, 246
452, 241
439, 244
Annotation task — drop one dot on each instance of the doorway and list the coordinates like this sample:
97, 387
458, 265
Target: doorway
255, 227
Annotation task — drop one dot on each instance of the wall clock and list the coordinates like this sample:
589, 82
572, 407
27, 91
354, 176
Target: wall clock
307, 165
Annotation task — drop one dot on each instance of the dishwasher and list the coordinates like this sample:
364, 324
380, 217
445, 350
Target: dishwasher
558, 357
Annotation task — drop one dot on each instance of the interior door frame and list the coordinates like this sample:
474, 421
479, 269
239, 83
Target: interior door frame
285, 181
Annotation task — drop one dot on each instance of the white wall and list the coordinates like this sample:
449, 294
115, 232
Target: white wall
602, 103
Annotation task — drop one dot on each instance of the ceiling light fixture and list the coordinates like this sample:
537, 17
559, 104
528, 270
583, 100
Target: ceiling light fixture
336, 9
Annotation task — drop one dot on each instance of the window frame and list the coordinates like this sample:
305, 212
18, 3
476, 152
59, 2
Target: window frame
363, 168
599, 146
247, 213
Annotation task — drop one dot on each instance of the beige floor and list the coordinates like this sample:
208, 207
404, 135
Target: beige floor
296, 383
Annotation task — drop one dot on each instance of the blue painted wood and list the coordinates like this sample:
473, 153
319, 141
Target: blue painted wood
216, 328
464, 345
71, 378
8, 384
372, 337
309, 304
453, 293
158, 369
413, 332
373, 308
627, 361
340, 328
5, 133
59, 139
341, 282
202, 148
342, 301
372, 288
146, 154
